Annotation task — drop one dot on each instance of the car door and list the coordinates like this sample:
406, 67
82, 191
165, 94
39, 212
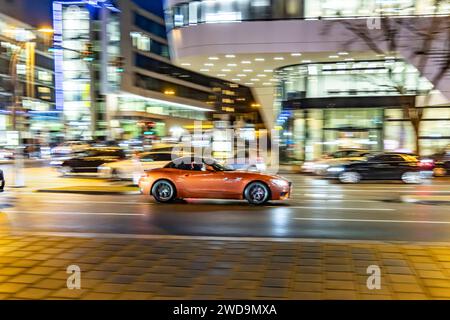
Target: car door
378, 167
197, 182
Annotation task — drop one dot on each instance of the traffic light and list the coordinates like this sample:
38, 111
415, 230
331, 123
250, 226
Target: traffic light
88, 52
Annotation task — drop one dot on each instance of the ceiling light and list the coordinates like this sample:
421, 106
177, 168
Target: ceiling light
235, 79
267, 84
349, 59
230, 56
249, 83
343, 53
278, 58
204, 70
209, 64
213, 58
261, 75
333, 57
259, 59
185, 64
246, 62
232, 64
241, 75
226, 70
268, 70
221, 75
296, 54
306, 61
247, 70
254, 79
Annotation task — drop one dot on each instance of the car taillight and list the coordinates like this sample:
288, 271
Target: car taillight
426, 163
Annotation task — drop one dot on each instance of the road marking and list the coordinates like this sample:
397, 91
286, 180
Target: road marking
374, 220
412, 191
334, 208
218, 238
72, 213
105, 202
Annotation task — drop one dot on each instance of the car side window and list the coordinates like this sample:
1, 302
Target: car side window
388, 158
162, 157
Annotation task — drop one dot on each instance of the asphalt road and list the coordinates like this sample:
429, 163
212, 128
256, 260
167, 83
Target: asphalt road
319, 209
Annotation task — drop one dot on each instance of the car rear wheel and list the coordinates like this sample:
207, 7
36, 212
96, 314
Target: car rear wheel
350, 177
440, 172
257, 193
412, 177
163, 191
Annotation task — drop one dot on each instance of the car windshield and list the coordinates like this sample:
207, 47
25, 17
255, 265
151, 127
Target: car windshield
221, 167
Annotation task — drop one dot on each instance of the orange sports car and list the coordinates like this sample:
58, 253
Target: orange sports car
190, 177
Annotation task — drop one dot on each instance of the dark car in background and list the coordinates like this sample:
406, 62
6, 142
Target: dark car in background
383, 166
89, 160
2, 181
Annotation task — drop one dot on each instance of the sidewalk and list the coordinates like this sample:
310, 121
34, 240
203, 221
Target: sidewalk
34, 267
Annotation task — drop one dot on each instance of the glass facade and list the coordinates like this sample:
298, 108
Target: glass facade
352, 78
217, 11
324, 121
143, 42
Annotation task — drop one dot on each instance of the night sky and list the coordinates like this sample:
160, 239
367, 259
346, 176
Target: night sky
39, 13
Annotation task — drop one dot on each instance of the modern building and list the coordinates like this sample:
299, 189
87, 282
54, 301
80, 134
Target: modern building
27, 102
328, 74
115, 78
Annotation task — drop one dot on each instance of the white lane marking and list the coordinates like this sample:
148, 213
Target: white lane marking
105, 202
218, 238
375, 190
374, 220
71, 213
333, 208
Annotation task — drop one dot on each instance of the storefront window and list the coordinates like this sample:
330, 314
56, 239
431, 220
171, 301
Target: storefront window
214, 11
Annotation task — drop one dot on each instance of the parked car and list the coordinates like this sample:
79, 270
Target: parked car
441, 163
246, 160
69, 148
2, 181
320, 166
6, 153
190, 177
132, 169
383, 166
91, 159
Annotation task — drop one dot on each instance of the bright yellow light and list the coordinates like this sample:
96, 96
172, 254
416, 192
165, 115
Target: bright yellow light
45, 30
169, 92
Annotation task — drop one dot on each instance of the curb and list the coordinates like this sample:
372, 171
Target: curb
91, 192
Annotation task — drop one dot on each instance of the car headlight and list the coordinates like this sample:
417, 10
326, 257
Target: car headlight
335, 169
280, 182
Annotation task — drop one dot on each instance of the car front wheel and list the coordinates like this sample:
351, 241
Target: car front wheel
163, 191
412, 177
257, 193
350, 177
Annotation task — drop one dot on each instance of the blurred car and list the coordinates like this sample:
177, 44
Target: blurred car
68, 148
320, 166
90, 160
2, 181
441, 163
383, 166
132, 169
190, 177
6, 154
246, 160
